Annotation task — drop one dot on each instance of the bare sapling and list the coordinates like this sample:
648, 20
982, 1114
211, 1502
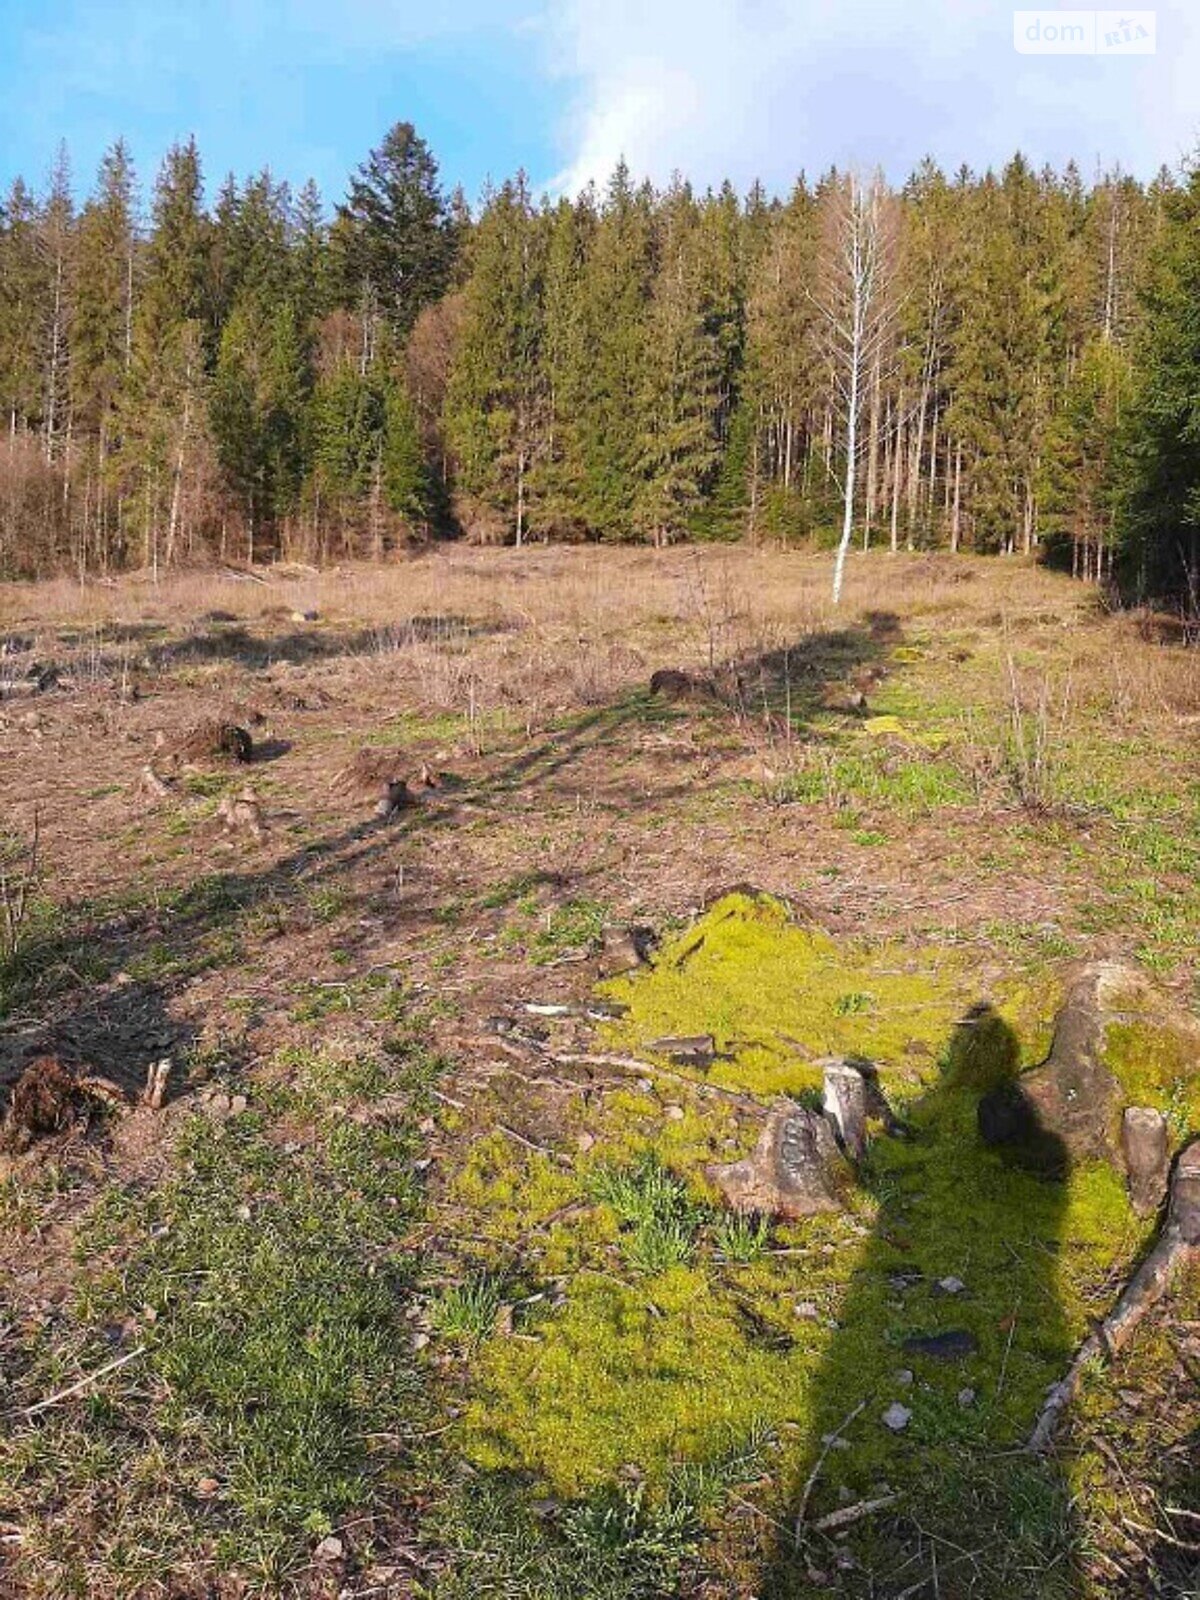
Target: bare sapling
856, 304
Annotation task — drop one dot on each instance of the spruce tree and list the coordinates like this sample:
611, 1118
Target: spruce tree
492, 419
395, 237
1160, 514
683, 364
101, 333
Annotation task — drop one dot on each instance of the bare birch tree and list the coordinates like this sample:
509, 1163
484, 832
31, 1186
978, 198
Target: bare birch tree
855, 299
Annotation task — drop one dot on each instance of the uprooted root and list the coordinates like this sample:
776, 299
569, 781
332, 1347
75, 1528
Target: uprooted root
48, 1097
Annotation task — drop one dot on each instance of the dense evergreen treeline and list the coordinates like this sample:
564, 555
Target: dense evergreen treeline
253, 377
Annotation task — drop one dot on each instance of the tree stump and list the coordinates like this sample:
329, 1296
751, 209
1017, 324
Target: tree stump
796, 1169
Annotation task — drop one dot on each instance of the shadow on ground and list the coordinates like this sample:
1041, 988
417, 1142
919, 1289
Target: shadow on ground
915, 1482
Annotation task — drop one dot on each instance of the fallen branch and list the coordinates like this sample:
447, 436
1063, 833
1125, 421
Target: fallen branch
86, 1383
1178, 1246
650, 1069
531, 1144
855, 1513
830, 1440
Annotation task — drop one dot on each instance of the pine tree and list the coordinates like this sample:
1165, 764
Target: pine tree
56, 238
605, 382
310, 285
258, 411
162, 463
102, 327
557, 470
406, 482
395, 237
1082, 460
22, 297
782, 376
1160, 515
680, 398
1006, 355
494, 394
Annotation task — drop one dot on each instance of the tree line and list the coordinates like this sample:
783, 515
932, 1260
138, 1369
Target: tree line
994, 362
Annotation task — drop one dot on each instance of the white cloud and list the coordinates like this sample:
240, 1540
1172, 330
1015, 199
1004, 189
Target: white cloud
762, 88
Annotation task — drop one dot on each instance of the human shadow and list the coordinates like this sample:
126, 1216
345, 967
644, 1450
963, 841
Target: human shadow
914, 1481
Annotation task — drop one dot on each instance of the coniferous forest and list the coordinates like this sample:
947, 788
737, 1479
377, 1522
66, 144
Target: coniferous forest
250, 373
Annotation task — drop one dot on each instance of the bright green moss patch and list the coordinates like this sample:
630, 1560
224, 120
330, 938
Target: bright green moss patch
777, 996
661, 1328
649, 1367
643, 1373
1157, 1065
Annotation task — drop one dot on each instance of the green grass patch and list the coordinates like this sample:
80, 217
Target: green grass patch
265, 1286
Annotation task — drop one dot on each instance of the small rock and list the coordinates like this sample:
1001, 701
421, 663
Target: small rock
330, 1548
1146, 1146
966, 1397
207, 1487
897, 1417
420, 1340
585, 1141
237, 1104
674, 1113
951, 1285
427, 1126
955, 1344
305, 616
808, 1310
904, 1378
243, 1211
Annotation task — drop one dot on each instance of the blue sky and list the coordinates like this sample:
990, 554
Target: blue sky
742, 88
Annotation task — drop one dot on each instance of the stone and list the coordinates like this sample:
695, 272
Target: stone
330, 1548
904, 1378
953, 1344
966, 1398
674, 1113
897, 1417
1146, 1146
951, 1285
796, 1169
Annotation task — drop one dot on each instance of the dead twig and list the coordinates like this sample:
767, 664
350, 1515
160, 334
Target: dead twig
855, 1513
15, 891
830, 1440
87, 1382
531, 1144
